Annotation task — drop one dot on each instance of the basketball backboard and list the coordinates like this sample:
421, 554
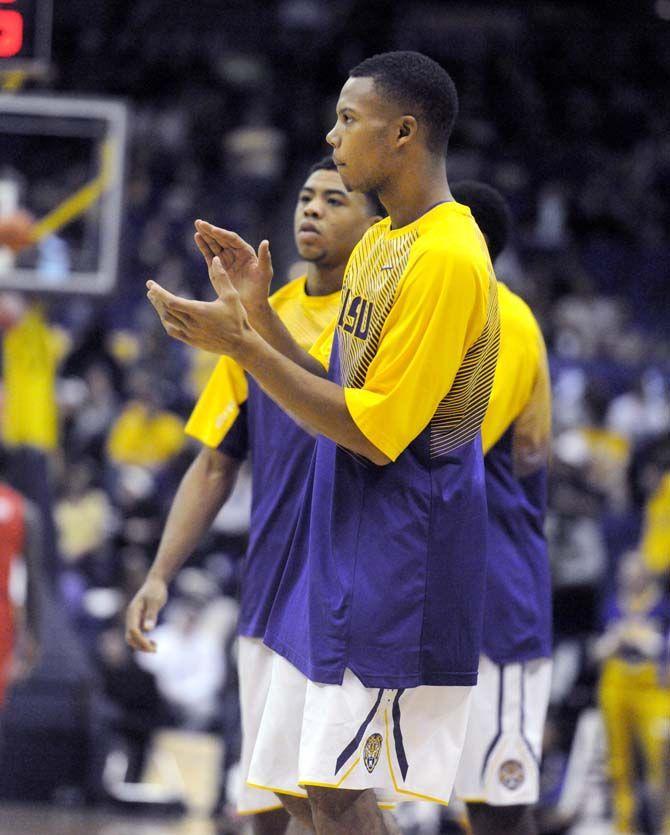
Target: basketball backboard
62, 160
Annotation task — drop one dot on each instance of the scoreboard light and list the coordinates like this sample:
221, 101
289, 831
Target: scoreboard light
25, 35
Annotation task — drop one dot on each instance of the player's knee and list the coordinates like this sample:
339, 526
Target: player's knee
332, 802
298, 808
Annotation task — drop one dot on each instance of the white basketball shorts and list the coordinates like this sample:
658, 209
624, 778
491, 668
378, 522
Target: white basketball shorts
501, 757
254, 663
404, 744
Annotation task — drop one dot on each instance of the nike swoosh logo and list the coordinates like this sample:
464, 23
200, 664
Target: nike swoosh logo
389, 267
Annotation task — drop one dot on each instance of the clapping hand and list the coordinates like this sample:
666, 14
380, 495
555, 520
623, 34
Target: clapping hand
219, 326
249, 272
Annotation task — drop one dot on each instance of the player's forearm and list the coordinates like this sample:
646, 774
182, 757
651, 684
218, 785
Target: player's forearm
204, 489
318, 403
268, 325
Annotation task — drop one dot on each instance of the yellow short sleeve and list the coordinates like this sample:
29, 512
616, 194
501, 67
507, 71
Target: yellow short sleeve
321, 349
516, 367
532, 428
439, 311
219, 404
521, 389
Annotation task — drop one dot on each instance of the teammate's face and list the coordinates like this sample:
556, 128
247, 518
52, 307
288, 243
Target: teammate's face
329, 221
364, 136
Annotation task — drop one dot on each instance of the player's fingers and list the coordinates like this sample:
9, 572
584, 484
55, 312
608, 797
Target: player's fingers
182, 308
227, 254
174, 321
212, 243
204, 248
157, 303
132, 616
169, 315
173, 327
265, 259
134, 636
204, 228
140, 642
224, 237
219, 278
175, 331
150, 617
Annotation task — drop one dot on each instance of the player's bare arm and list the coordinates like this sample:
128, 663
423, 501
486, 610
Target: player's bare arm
204, 489
251, 274
222, 326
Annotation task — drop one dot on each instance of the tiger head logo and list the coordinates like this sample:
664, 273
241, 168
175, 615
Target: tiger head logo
511, 774
371, 752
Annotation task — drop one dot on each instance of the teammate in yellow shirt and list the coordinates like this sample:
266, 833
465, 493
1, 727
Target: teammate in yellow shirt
499, 772
233, 418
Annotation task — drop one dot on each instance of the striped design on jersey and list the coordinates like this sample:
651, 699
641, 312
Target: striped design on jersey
459, 415
375, 270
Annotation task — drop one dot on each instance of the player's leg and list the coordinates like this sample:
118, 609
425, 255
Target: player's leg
345, 812
297, 828
395, 742
274, 759
264, 809
499, 772
300, 810
501, 820
341, 742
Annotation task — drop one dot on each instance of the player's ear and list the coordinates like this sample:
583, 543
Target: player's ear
407, 128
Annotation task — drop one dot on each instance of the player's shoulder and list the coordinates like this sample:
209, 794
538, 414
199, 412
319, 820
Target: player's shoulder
459, 260
518, 324
290, 292
450, 231
516, 311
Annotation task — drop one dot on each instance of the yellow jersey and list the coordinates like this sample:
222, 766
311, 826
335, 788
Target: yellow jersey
304, 316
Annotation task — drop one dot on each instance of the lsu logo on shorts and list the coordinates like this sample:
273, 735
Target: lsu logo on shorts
371, 752
511, 774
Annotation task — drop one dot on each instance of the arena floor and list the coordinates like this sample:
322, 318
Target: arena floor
43, 820
31, 820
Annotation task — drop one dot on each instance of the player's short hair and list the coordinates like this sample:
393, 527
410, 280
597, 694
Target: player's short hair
327, 164
490, 210
420, 86
324, 164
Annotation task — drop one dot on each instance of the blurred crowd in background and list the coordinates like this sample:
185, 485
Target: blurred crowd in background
563, 110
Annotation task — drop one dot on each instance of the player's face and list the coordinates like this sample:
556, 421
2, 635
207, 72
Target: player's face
329, 220
363, 136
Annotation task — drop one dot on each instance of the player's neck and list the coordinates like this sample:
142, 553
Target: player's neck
419, 189
322, 281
